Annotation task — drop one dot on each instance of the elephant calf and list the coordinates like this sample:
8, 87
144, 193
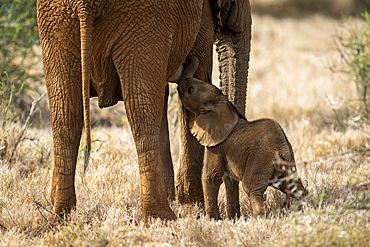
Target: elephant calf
256, 153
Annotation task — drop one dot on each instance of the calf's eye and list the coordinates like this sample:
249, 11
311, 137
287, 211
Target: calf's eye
190, 90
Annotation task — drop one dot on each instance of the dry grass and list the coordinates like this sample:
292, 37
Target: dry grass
288, 82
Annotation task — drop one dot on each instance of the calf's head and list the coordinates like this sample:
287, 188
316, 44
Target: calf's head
215, 117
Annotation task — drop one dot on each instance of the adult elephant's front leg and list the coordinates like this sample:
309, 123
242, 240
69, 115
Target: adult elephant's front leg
144, 93
188, 176
189, 173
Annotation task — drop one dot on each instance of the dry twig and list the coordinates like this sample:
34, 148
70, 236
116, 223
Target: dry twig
38, 209
337, 155
7, 108
43, 193
10, 216
3, 227
34, 229
32, 111
54, 214
276, 182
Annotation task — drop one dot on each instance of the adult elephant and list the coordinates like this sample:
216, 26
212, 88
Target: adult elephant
127, 50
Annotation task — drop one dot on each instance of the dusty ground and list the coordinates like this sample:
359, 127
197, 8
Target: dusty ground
289, 82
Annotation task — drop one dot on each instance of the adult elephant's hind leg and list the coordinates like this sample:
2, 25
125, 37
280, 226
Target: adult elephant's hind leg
67, 121
60, 47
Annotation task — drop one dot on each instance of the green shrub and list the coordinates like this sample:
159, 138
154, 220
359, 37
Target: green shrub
8, 132
18, 39
12, 129
353, 44
8, 91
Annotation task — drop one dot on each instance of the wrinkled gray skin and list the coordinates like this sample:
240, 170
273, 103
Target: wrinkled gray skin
127, 50
256, 153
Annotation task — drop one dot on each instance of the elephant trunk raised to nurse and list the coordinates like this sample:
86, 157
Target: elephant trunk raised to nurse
128, 50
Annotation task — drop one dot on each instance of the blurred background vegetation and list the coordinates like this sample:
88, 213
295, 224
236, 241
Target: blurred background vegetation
21, 71
18, 38
302, 8
20, 57
352, 42
20, 76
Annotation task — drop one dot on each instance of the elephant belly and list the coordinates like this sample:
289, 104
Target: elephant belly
235, 171
235, 156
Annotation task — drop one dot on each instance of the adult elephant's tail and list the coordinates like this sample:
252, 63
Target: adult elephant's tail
233, 41
86, 23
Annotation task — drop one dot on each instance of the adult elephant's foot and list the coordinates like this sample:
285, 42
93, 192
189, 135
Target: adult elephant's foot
156, 210
155, 206
63, 195
153, 190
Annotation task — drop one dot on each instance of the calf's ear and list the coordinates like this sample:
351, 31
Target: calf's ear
214, 123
